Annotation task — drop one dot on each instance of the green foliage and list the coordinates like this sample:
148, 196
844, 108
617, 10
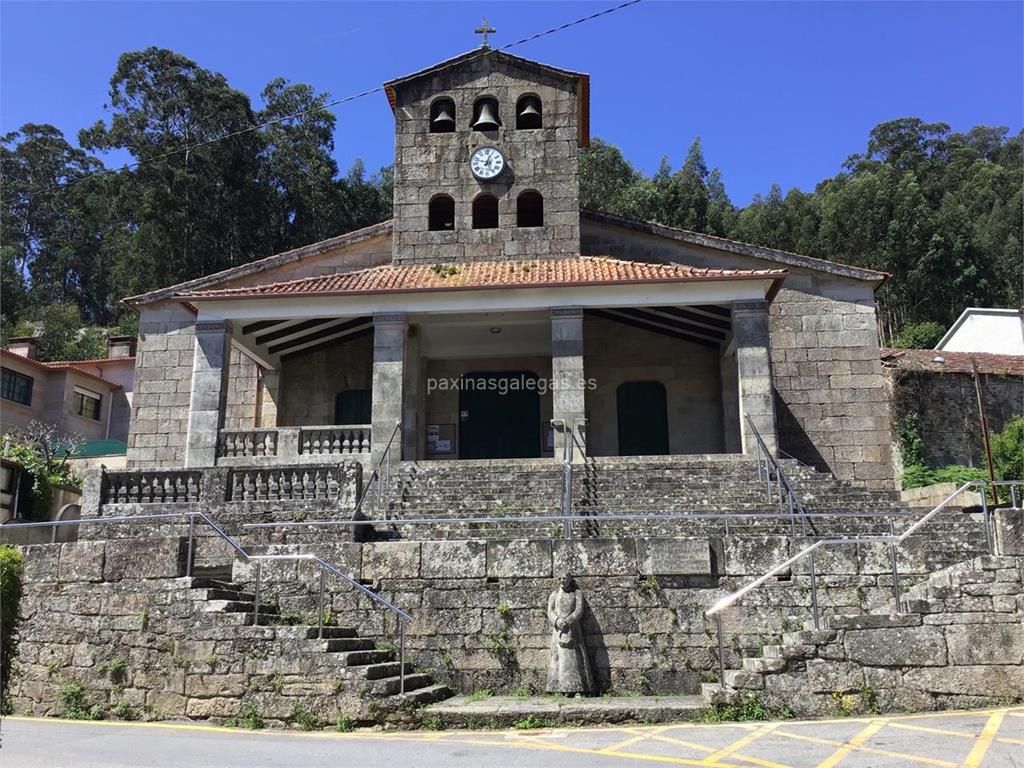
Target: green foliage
250, 717
12, 573
923, 335
433, 723
75, 703
1008, 450
345, 724
501, 646
123, 710
116, 669
909, 437
917, 475
531, 722
43, 469
303, 718
750, 707
480, 695
941, 211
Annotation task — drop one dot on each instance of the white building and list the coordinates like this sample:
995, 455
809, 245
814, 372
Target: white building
996, 331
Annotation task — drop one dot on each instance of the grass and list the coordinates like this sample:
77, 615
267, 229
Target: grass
483, 693
531, 722
750, 707
345, 724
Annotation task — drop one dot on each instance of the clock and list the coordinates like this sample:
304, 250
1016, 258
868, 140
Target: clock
486, 163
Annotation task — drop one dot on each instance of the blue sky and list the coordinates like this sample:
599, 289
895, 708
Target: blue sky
779, 92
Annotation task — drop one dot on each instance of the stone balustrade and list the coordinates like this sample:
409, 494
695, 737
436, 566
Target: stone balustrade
151, 487
283, 484
292, 445
247, 442
333, 441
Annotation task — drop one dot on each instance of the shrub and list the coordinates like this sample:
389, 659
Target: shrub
1008, 450
12, 571
919, 336
43, 451
917, 475
909, 437
75, 704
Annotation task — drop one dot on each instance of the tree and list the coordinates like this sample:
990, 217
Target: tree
919, 335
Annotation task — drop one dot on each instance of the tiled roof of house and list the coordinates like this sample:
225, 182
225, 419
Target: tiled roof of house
72, 365
482, 275
938, 361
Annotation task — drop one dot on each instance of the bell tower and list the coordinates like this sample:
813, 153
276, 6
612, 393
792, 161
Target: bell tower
486, 159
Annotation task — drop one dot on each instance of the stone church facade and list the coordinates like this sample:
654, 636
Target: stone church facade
491, 318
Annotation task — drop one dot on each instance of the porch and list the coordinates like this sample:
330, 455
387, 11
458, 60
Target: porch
630, 368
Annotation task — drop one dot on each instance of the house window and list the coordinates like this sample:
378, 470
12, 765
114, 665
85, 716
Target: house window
530, 210
86, 404
16, 386
441, 214
485, 212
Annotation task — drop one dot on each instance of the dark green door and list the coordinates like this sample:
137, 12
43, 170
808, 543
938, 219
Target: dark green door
352, 407
643, 419
499, 416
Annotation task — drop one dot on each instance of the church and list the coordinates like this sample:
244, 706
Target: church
494, 319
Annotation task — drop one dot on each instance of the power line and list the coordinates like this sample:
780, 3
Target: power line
334, 103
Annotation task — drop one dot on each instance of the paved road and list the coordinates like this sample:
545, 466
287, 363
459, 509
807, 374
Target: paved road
982, 739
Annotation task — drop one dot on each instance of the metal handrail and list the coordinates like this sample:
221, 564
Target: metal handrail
894, 540
649, 516
383, 465
782, 480
324, 565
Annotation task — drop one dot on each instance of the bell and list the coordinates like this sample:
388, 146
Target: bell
444, 122
529, 110
529, 115
487, 120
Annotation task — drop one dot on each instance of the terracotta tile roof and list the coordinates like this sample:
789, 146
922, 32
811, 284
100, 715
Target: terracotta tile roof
72, 365
93, 361
483, 275
954, 362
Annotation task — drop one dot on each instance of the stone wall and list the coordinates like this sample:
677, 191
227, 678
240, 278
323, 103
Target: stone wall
614, 353
163, 383
310, 383
829, 393
544, 160
960, 645
946, 405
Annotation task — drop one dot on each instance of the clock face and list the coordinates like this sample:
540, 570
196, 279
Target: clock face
486, 163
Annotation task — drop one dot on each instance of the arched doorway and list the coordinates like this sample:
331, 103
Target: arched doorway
642, 418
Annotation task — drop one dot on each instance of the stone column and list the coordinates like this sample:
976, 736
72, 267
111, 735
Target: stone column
754, 372
730, 403
412, 382
211, 361
389, 331
568, 396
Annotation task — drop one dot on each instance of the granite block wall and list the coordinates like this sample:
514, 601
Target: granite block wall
544, 160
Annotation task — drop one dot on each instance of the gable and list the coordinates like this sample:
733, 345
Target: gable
362, 248
621, 238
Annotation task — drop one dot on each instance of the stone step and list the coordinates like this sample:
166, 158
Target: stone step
763, 665
229, 595
341, 644
381, 670
331, 632
363, 658
428, 694
239, 606
390, 686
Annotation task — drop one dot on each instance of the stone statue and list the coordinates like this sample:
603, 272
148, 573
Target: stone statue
568, 666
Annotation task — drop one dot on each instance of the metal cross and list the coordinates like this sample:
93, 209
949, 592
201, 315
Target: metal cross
483, 29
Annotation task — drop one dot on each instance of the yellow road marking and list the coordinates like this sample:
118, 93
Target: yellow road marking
635, 739
704, 748
984, 741
836, 757
946, 732
867, 750
736, 746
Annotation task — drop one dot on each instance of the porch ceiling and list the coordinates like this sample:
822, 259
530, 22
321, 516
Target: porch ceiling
271, 341
707, 325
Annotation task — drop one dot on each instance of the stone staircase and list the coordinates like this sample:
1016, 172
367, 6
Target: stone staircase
367, 670
959, 642
686, 485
